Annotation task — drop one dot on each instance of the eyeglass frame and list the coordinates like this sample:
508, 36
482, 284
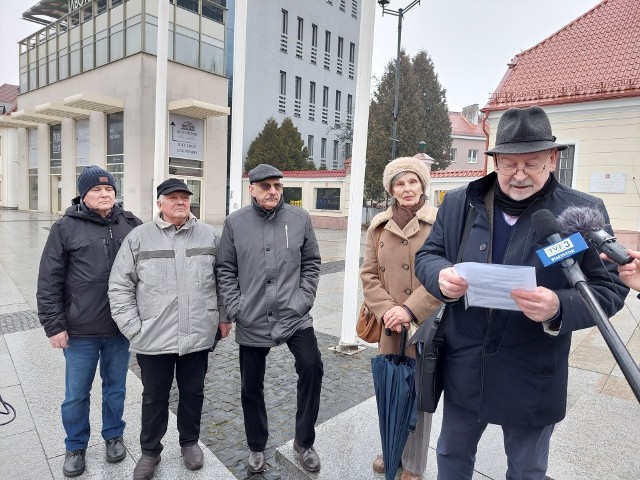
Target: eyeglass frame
523, 169
263, 186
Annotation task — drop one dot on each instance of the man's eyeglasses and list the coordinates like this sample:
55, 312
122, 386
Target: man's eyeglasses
266, 186
511, 169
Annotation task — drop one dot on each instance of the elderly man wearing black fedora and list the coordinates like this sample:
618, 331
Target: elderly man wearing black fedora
163, 295
505, 367
268, 269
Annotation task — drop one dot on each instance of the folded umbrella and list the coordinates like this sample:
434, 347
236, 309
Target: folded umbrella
393, 381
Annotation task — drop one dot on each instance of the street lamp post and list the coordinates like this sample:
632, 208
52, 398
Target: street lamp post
400, 14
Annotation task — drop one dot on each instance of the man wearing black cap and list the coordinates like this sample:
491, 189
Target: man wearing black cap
505, 367
163, 296
73, 308
268, 269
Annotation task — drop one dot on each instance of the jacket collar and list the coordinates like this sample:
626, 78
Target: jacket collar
164, 224
426, 214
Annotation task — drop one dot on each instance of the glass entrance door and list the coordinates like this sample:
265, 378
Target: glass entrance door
56, 194
195, 185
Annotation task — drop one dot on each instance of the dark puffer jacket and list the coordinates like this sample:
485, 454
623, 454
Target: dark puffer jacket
74, 271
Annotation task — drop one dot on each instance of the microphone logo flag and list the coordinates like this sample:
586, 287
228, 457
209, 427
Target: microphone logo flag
565, 248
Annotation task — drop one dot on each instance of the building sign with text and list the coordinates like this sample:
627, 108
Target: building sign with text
76, 4
186, 137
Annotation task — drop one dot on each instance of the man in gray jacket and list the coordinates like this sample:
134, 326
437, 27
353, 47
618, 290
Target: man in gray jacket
267, 269
163, 297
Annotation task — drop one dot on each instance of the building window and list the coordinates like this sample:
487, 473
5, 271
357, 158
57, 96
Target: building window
33, 169
212, 10
338, 106
191, 5
327, 199
298, 97
439, 197
82, 145
310, 146
300, 38
325, 105
564, 168
314, 43
284, 31
336, 150
340, 55
452, 154
292, 196
323, 152
312, 101
282, 98
115, 152
327, 49
473, 156
352, 60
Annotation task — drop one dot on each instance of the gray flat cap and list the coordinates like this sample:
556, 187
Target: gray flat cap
263, 171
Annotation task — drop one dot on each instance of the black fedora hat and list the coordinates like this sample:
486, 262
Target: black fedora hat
524, 130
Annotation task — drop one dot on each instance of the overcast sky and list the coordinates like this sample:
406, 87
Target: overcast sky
469, 41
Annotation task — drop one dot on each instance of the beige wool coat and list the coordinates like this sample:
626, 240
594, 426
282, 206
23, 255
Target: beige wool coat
387, 273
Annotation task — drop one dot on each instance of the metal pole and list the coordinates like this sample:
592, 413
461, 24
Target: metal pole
160, 151
394, 140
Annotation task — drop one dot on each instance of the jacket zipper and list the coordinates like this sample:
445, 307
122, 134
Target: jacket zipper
286, 233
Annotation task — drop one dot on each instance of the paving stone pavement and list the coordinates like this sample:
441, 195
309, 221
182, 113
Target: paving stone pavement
346, 383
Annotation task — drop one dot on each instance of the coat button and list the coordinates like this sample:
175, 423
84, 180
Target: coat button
405, 242
405, 266
268, 249
483, 247
382, 244
269, 313
407, 291
382, 269
268, 282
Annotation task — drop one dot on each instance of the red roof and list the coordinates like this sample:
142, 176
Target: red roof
461, 126
310, 173
8, 95
597, 56
456, 173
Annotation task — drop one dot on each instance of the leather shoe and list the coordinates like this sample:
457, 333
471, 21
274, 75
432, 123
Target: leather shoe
73, 463
407, 475
378, 464
257, 463
309, 459
115, 449
192, 456
146, 467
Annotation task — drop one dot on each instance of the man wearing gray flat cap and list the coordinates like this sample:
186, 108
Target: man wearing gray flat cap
505, 367
268, 268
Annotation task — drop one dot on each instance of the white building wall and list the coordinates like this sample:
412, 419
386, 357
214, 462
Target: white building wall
265, 60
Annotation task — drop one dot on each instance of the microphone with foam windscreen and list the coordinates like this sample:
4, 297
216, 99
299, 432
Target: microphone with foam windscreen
560, 250
590, 222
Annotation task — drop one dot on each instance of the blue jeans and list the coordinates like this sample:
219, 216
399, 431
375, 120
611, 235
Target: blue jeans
527, 448
82, 357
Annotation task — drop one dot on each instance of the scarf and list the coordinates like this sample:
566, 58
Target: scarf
403, 215
516, 207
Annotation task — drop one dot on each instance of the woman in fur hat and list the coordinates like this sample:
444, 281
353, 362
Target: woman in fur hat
391, 290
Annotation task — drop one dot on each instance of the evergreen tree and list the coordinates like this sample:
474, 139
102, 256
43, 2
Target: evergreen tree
280, 146
437, 123
422, 116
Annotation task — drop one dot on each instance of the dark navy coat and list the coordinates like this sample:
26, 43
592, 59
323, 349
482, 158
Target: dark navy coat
498, 363
74, 271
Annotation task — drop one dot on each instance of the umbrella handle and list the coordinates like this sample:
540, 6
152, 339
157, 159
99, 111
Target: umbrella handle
403, 340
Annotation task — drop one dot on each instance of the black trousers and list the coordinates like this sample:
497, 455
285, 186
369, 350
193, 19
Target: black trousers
308, 363
157, 376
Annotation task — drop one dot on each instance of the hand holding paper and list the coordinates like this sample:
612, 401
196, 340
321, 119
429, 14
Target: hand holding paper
490, 285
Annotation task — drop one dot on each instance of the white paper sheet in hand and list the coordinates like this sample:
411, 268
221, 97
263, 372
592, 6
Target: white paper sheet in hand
490, 284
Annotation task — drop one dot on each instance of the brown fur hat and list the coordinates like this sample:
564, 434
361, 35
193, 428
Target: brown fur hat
405, 164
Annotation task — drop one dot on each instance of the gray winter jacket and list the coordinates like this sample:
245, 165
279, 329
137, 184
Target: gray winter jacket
267, 269
162, 288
